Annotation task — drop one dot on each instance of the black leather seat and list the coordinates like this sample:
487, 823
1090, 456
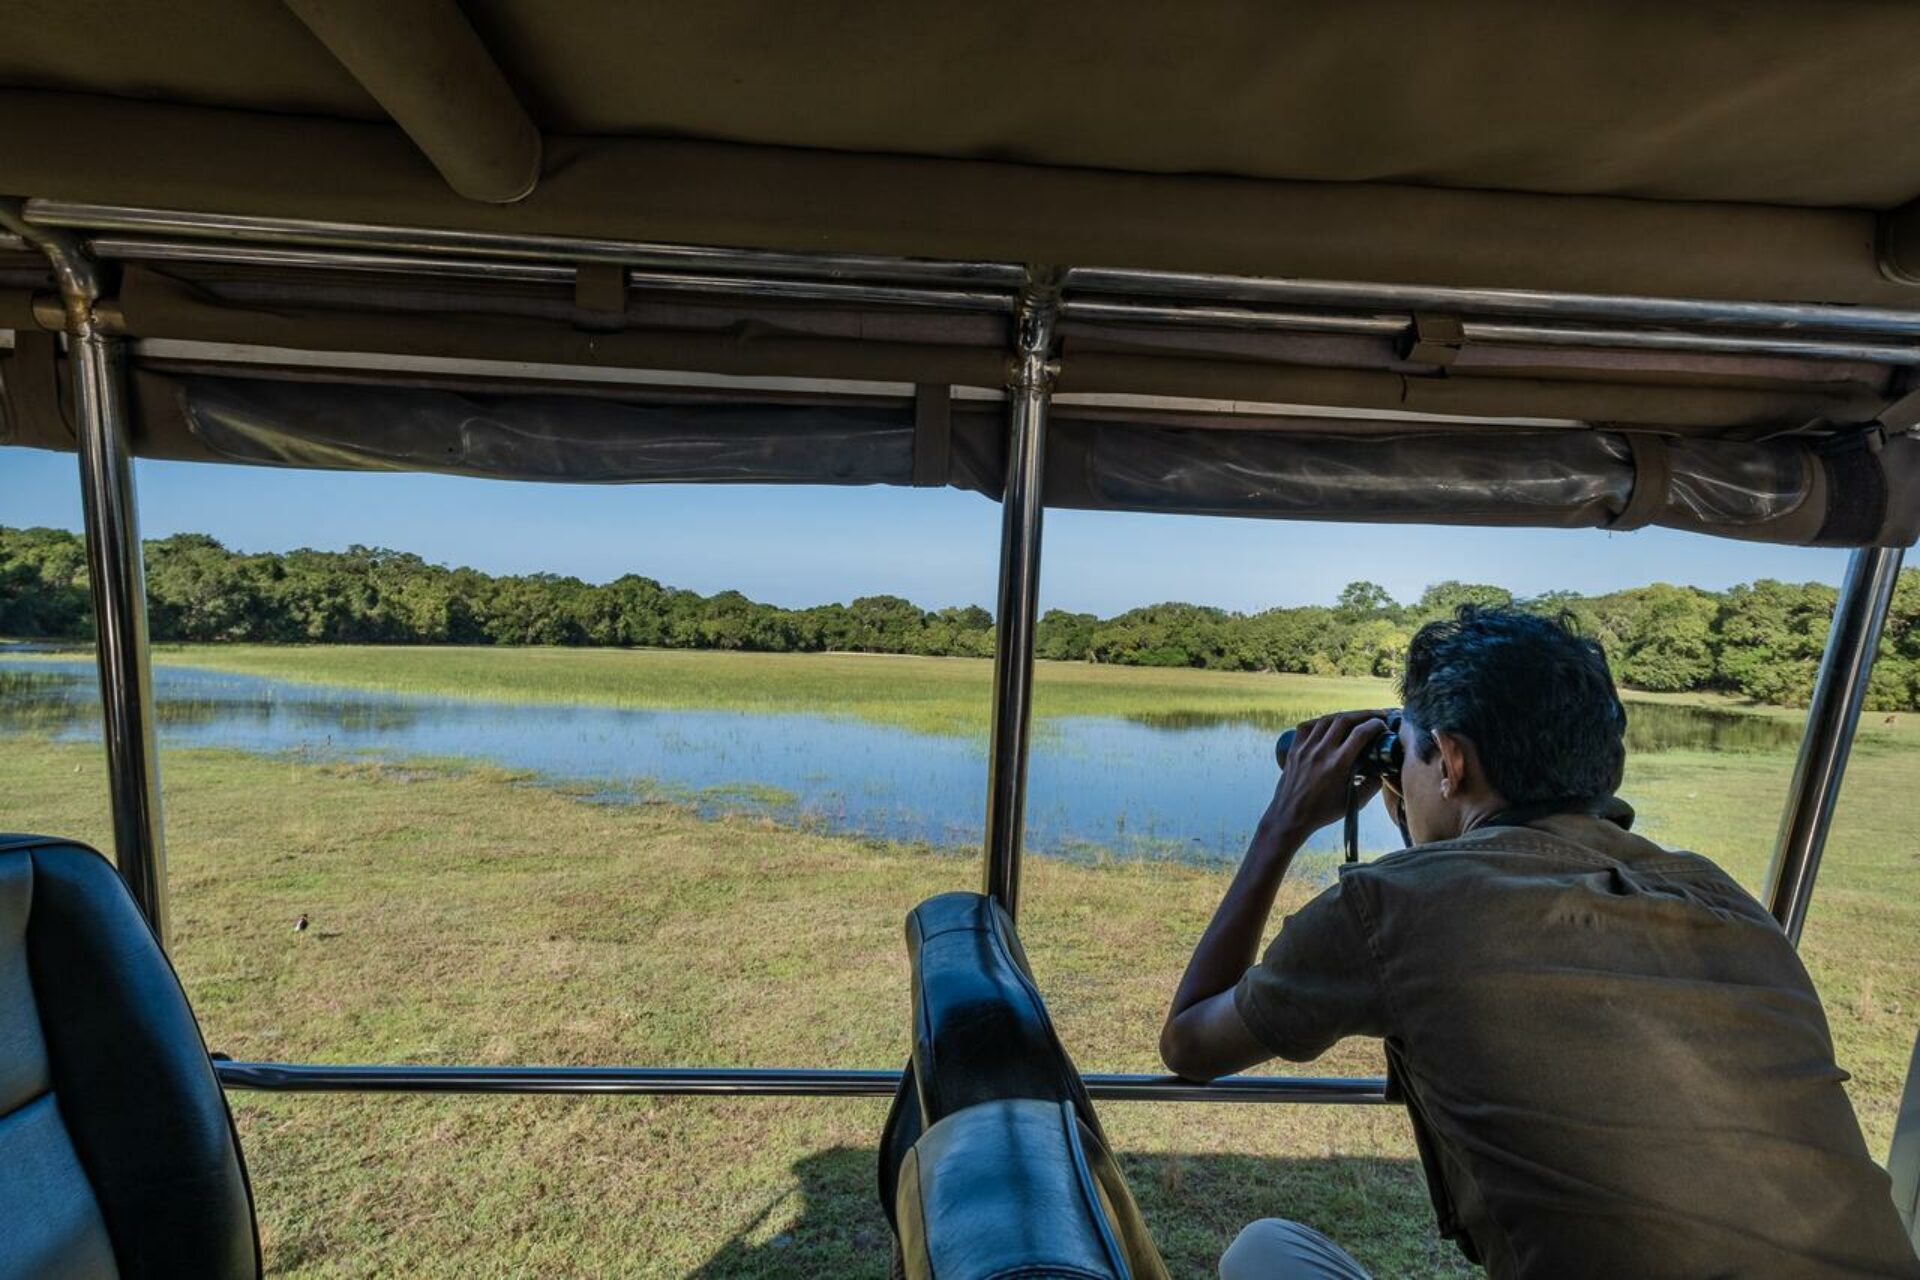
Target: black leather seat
992, 1163
1016, 1188
980, 1029
117, 1154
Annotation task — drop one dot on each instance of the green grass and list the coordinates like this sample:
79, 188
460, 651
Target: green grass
934, 695
466, 915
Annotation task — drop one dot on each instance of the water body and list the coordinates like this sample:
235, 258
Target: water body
1178, 785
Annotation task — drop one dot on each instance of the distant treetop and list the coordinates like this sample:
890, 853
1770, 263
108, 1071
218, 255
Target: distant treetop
1761, 641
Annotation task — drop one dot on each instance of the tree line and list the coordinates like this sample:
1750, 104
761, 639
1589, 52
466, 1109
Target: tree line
1761, 640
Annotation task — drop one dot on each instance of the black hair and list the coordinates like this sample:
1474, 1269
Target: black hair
1533, 696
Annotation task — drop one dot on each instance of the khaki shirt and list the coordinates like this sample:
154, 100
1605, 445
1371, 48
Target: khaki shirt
1615, 1063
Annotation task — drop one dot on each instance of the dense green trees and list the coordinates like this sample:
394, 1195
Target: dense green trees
43, 583
1762, 640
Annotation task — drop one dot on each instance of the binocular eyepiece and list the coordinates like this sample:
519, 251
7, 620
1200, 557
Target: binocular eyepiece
1381, 759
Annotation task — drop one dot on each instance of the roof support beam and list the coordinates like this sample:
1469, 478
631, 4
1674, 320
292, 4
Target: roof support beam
425, 66
96, 362
1030, 382
1839, 693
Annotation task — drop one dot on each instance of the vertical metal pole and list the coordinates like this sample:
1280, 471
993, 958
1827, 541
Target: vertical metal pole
95, 361
1838, 694
1029, 391
120, 618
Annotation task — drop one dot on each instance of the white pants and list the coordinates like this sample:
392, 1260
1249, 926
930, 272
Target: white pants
1275, 1249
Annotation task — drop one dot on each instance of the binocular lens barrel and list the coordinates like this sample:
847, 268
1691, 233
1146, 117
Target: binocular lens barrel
1382, 756
1284, 748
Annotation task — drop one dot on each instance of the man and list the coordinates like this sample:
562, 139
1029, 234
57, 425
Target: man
1614, 1062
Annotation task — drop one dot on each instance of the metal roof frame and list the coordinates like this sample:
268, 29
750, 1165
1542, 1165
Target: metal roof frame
77, 238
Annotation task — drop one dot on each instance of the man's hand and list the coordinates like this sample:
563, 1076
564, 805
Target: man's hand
1313, 787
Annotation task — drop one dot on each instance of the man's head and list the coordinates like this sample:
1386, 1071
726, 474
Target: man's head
1504, 708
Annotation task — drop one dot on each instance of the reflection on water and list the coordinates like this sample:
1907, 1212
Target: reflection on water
1651, 726
1660, 726
1180, 785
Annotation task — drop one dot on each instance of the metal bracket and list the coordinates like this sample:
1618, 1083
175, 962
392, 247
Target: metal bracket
75, 272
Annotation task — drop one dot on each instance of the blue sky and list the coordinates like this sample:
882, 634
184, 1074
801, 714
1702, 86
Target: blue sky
798, 546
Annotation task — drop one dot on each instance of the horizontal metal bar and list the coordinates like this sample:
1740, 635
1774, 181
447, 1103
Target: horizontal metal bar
1192, 300
11, 243
160, 351
164, 353
136, 249
539, 248
772, 1082
1528, 302
758, 287
1220, 316
1344, 1090
1553, 335
1136, 284
1228, 317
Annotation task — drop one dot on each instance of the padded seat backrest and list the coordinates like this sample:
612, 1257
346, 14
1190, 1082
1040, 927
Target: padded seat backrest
117, 1153
1013, 1188
1903, 1162
980, 1029
993, 1162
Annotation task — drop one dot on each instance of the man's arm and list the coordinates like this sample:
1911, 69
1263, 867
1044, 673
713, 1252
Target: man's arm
1204, 1035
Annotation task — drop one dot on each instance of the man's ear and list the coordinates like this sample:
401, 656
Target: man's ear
1459, 765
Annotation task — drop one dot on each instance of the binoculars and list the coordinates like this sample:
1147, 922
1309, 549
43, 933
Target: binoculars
1381, 759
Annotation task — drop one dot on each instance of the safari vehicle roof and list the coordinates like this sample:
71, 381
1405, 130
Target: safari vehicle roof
1733, 148
1266, 207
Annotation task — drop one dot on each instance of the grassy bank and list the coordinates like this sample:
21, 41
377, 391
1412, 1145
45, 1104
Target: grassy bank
464, 915
935, 695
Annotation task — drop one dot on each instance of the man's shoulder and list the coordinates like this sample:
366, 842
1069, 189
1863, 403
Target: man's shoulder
1574, 843
1483, 848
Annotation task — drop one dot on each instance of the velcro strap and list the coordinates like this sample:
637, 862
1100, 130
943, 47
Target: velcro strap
600, 292
1652, 473
1435, 339
1856, 489
932, 434
1903, 414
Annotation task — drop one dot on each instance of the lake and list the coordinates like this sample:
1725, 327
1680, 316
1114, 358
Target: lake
1176, 785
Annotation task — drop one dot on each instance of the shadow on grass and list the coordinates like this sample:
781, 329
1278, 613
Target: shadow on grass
828, 1221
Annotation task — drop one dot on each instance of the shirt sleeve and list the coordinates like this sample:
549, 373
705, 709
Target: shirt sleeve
1317, 983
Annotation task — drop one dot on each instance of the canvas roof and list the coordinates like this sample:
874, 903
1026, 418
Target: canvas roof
1719, 149
1687, 156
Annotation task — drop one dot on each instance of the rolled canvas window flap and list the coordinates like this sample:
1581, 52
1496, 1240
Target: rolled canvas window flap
534, 437
1774, 491
1713, 484
1570, 477
1791, 491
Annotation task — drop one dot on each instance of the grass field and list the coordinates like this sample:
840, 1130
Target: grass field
933, 695
464, 914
